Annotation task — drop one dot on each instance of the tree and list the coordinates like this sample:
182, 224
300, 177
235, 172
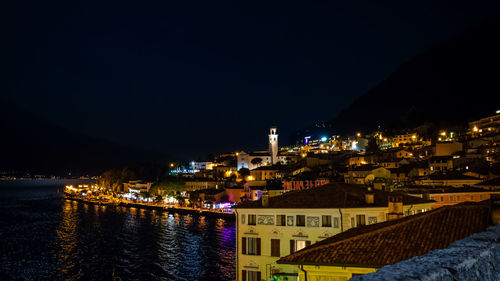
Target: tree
256, 161
244, 172
113, 179
169, 185
158, 199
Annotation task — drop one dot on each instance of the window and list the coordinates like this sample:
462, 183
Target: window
252, 219
250, 246
458, 197
243, 218
281, 220
297, 245
248, 275
336, 222
326, 221
360, 220
275, 247
352, 222
301, 220
442, 198
451, 198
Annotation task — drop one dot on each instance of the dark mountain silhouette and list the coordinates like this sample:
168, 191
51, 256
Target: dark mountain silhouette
451, 83
29, 143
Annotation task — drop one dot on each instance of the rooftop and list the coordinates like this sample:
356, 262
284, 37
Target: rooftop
390, 242
333, 195
445, 189
451, 176
493, 182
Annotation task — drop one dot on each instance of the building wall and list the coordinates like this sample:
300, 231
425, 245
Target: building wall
198, 185
404, 139
262, 175
266, 228
445, 199
447, 148
453, 183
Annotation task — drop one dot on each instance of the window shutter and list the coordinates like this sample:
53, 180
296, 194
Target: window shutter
259, 277
275, 247
244, 275
292, 246
308, 243
258, 247
244, 246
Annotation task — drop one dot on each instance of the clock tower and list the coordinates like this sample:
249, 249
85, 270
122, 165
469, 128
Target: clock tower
273, 144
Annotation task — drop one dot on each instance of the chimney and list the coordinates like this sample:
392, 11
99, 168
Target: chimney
495, 208
265, 198
369, 196
395, 207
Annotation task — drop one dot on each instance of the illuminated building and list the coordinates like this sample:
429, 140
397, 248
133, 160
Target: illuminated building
485, 126
257, 159
273, 227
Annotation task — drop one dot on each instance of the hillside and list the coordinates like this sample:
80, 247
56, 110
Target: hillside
453, 82
31, 143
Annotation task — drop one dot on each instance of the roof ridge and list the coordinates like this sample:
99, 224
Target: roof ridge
404, 221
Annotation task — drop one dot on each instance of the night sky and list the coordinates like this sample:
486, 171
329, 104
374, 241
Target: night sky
188, 78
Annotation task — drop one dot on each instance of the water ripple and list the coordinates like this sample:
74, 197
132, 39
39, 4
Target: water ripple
43, 237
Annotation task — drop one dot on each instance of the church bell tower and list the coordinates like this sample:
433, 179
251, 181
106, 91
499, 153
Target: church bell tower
273, 145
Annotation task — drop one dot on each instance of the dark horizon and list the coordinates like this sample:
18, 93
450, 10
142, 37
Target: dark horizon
191, 80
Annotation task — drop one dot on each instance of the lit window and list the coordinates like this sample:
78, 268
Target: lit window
251, 275
251, 246
243, 218
300, 245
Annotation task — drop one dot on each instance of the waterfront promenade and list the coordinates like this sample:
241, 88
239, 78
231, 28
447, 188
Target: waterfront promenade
153, 206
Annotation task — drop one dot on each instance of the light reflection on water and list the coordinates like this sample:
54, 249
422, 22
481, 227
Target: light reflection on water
56, 239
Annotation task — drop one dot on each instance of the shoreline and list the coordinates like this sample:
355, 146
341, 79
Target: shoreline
181, 211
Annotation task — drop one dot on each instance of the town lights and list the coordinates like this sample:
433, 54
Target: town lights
443, 133
250, 178
475, 129
358, 135
171, 164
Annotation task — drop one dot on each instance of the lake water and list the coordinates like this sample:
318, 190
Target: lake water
44, 237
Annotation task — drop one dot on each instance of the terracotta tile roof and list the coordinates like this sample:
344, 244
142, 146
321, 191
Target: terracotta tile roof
394, 241
333, 195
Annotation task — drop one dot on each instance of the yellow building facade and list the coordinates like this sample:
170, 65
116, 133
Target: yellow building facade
264, 234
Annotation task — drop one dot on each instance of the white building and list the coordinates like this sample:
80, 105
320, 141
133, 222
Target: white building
257, 159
